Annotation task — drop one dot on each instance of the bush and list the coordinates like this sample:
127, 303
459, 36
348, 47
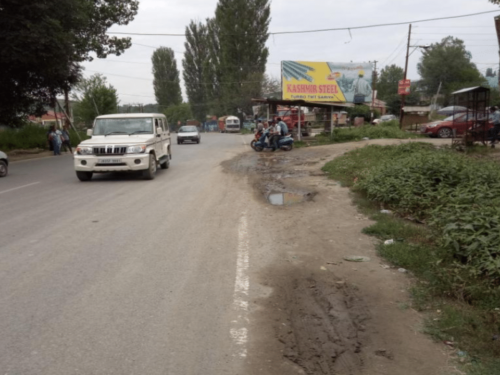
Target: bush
460, 198
30, 137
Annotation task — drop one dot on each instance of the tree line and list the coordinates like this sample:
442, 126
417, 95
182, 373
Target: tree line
224, 62
43, 43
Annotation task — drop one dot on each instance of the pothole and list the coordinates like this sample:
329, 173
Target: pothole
286, 199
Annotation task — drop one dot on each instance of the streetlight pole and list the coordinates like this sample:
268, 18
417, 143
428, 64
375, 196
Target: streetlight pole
403, 97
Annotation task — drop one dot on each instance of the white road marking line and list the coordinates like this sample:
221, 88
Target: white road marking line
19, 187
239, 332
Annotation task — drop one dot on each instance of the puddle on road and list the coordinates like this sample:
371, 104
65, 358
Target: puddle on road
285, 199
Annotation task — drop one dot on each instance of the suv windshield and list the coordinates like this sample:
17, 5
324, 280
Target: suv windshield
187, 129
106, 126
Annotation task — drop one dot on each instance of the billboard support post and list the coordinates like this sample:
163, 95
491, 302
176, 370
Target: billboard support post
300, 131
331, 122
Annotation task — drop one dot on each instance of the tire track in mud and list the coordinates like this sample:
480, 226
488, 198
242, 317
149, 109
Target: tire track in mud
324, 324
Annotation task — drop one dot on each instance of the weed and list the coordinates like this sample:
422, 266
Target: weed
457, 256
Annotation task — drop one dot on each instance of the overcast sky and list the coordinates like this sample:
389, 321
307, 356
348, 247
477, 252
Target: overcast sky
131, 73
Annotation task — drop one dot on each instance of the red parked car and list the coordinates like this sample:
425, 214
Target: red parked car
444, 129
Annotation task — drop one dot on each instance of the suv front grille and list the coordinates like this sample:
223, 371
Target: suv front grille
110, 150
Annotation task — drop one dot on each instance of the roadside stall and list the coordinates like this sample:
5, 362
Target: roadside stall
474, 119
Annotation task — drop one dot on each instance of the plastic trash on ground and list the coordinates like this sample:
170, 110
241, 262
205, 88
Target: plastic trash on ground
388, 212
389, 242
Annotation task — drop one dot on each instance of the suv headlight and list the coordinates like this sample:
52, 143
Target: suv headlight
84, 150
140, 149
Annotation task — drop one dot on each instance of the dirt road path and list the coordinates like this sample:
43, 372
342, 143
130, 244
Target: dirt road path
316, 313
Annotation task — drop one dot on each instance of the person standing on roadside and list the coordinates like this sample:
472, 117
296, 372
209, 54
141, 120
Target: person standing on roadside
55, 137
65, 139
496, 125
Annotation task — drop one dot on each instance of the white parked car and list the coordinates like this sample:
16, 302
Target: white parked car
384, 118
125, 142
4, 164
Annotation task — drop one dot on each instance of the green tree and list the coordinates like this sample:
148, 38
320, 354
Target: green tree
450, 63
166, 78
178, 113
196, 46
94, 97
387, 89
387, 85
42, 43
212, 69
243, 52
271, 85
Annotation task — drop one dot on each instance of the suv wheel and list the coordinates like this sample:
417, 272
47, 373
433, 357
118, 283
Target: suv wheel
84, 176
149, 173
4, 169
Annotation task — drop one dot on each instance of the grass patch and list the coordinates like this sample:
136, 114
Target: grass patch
456, 256
246, 131
386, 130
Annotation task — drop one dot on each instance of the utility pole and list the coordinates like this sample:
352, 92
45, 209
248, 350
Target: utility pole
374, 87
403, 97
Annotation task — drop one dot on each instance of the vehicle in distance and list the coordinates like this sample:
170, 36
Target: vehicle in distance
188, 133
229, 124
124, 143
459, 122
4, 164
384, 118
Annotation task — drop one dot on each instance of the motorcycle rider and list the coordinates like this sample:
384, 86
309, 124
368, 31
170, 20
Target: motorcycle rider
283, 126
275, 135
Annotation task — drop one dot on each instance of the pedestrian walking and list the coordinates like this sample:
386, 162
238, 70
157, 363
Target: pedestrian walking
55, 137
65, 139
496, 125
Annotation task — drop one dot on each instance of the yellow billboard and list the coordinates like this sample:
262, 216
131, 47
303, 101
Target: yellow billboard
326, 81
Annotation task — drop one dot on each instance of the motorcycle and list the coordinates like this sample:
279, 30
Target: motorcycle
285, 143
258, 134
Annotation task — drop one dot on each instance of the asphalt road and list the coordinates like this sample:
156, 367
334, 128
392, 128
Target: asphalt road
121, 275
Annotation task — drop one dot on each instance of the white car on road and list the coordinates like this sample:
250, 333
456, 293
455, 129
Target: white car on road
188, 133
125, 142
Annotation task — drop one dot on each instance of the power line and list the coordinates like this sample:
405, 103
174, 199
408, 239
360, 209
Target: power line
396, 49
325, 30
151, 79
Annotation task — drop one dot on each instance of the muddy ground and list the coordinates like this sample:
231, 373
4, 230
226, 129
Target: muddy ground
315, 312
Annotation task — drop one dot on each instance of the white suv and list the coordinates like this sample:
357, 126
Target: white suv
125, 142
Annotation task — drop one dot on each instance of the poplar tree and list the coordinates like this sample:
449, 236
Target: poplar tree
196, 54
166, 80
242, 32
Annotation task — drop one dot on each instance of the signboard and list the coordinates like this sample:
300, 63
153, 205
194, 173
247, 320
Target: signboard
404, 87
326, 81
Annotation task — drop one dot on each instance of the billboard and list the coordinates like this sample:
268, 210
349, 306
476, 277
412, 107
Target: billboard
326, 81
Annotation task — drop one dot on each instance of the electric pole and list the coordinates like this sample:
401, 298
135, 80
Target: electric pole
403, 97
374, 87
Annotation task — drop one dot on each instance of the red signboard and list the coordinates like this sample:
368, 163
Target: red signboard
404, 87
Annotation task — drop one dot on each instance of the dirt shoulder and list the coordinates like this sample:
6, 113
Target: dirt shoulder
314, 312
